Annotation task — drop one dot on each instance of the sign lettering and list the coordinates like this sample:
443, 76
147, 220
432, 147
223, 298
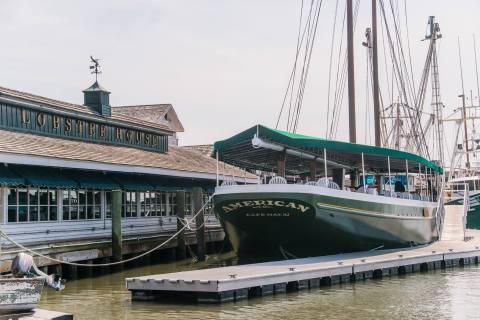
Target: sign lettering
39, 122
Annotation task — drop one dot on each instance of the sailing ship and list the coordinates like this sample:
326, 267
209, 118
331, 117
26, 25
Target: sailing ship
324, 216
322, 196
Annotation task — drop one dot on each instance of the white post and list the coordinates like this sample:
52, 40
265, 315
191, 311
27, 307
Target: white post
363, 174
217, 168
325, 165
406, 171
389, 176
420, 178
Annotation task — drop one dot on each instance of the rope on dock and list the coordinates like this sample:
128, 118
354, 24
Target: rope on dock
185, 226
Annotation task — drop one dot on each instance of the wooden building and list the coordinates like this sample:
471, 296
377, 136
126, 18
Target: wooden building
59, 162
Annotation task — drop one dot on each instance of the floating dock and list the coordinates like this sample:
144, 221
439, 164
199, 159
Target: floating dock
235, 283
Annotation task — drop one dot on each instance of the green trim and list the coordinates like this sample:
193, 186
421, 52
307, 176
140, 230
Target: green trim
93, 180
300, 141
10, 178
45, 177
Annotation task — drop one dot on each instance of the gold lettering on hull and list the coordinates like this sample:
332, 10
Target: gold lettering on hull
265, 204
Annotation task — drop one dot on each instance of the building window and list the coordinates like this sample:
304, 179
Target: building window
31, 205
81, 204
129, 204
108, 204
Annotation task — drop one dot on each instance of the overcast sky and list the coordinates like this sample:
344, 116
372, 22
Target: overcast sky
224, 65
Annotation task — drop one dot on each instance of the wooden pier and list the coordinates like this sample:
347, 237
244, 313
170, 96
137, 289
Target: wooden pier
234, 283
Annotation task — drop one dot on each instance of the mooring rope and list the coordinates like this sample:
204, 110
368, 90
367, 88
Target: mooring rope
7, 237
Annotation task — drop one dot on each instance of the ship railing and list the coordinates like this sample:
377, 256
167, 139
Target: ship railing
327, 183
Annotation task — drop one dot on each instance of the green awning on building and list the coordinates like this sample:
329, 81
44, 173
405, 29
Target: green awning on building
93, 180
238, 150
10, 178
45, 177
132, 181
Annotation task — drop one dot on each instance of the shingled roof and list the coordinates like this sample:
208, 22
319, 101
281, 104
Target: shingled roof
155, 113
117, 115
177, 158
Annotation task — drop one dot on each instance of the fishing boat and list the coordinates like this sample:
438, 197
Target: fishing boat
455, 196
20, 294
319, 213
21, 290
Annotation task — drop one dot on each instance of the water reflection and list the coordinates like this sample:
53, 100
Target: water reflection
451, 294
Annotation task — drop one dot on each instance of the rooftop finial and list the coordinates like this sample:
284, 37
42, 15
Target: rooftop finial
95, 67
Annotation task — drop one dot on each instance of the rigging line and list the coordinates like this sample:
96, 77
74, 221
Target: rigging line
401, 52
295, 107
291, 112
338, 68
308, 63
476, 72
307, 29
461, 69
385, 61
292, 74
7, 237
343, 78
400, 82
408, 42
330, 67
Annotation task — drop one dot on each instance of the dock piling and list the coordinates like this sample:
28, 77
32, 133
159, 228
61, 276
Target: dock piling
117, 225
181, 248
200, 222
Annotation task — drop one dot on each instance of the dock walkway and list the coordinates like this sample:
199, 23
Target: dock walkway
216, 285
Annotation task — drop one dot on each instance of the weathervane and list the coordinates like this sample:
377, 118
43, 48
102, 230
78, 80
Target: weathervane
95, 67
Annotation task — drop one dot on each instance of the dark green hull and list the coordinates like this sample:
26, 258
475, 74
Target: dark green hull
473, 214
262, 225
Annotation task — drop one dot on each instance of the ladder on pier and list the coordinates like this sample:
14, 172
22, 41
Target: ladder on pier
454, 223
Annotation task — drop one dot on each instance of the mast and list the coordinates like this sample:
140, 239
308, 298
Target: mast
376, 93
464, 116
351, 75
464, 108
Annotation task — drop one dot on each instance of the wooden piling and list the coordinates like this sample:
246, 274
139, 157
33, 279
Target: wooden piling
181, 249
117, 225
199, 221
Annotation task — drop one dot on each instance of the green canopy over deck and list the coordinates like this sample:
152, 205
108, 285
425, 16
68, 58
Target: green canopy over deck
239, 151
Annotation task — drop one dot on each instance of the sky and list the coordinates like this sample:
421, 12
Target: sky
224, 65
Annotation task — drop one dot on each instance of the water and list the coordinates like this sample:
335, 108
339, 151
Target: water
446, 294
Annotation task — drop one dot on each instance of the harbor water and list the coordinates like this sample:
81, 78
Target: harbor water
445, 294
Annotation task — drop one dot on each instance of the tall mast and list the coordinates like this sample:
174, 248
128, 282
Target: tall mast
464, 108
351, 75
376, 93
